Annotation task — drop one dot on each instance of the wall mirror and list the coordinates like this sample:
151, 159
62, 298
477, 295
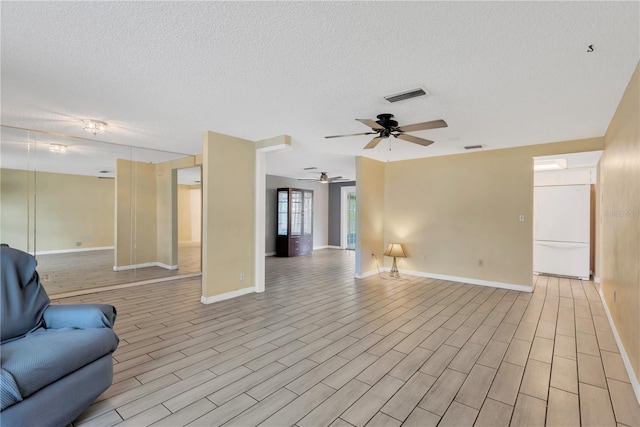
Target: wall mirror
96, 214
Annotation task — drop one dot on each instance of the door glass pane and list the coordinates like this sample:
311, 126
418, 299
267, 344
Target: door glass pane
296, 213
351, 221
283, 198
308, 212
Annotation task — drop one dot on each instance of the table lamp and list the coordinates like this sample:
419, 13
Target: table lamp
395, 250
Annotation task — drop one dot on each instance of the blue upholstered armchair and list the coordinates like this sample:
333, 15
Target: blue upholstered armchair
56, 360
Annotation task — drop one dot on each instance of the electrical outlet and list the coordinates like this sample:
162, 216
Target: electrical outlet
242, 277
521, 218
480, 262
78, 243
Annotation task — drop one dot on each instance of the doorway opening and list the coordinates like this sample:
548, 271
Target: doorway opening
564, 214
348, 218
190, 219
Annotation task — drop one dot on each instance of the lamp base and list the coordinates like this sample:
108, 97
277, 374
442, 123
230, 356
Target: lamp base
394, 269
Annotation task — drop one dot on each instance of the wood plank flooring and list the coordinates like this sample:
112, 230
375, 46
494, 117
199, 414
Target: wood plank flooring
78, 271
321, 348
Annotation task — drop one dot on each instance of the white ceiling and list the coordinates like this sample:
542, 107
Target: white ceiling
160, 73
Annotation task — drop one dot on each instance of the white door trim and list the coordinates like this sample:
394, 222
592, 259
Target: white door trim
260, 213
344, 213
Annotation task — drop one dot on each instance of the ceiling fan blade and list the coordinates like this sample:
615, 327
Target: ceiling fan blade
335, 177
301, 179
414, 139
338, 179
351, 134
371, 123
434, 124
374, 142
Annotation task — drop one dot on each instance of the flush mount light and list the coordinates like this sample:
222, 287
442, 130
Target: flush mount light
56, 148
549, 164
94, 127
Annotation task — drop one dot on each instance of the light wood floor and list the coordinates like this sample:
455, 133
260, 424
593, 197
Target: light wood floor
321, 348
77, 271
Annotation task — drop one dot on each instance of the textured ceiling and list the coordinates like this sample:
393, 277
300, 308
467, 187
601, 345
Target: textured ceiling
160, 73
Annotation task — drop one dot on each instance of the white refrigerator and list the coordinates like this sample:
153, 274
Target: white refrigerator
561, 230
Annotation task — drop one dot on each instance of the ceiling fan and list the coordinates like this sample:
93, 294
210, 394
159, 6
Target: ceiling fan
324, 179
385, 127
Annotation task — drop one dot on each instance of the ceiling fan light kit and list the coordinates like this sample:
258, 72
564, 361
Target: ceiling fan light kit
385, 127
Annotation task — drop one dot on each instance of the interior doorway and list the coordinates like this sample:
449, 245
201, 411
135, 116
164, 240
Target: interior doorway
564, 215
190, 220
348, 218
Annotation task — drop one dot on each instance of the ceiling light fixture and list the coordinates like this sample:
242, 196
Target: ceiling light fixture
549, 164
94, 127
413, 93
56, 148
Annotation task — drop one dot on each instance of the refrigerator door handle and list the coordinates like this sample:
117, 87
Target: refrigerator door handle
560, 245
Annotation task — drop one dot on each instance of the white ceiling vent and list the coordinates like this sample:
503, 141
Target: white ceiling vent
406, 95
472, 147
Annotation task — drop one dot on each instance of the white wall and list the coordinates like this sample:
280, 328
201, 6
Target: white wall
320, 210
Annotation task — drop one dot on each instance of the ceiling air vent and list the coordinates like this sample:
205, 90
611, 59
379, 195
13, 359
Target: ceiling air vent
405, 95
472, 147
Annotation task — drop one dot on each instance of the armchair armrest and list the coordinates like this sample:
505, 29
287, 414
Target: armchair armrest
79, 316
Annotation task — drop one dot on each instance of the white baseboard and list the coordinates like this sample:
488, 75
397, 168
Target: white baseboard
480, 282
143, 265
367, 274
68, 251
188, 242
471, 281
320, 247
122, 286
334, 247
635, 384
227, 295
270, 254
596, 279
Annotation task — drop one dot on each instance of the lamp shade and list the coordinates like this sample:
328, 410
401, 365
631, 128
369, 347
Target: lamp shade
395, 250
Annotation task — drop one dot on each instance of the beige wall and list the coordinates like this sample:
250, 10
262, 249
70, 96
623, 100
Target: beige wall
370, 213
451, 211
228, 206
167, 216
71, 209
619, 227
184, 213
189, 213
135, 218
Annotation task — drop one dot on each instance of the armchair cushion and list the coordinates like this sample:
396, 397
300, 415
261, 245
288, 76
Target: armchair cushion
9, 392
79, 316
21, 312
32, 367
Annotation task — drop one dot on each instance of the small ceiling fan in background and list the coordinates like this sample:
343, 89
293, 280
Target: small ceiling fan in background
325, 179
385, 127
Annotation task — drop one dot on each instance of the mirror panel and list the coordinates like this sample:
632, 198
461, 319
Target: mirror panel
92, 213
